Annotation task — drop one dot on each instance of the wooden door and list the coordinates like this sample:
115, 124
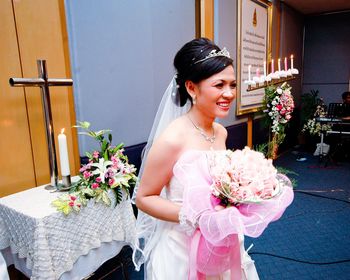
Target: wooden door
31, 30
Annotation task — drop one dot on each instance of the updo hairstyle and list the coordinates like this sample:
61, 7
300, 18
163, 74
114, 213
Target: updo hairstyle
188, 70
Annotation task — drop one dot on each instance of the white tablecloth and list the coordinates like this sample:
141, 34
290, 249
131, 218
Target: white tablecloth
51, 242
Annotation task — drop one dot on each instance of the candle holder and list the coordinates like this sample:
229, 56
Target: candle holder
270, 83
65, 184
66, 181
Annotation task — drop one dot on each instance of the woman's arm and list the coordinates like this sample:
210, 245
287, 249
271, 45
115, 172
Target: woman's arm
157, 173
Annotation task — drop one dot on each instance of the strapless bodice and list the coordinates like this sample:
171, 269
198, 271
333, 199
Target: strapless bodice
174, 190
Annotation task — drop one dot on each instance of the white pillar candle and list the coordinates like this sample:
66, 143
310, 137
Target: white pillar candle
279, 65
291, 62
64, 159
272, 66
249, 67
257, 72
285, 64
264, 68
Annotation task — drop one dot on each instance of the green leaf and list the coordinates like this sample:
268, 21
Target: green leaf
84, 125
104, 146
105, 155
105, 198
89, 155
118, 195
62, 206
102, 132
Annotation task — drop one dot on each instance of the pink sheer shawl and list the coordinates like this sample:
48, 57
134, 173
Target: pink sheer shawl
214, 243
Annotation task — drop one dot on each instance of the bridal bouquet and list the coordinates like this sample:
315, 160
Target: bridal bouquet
107, 172
247, 190
242, 176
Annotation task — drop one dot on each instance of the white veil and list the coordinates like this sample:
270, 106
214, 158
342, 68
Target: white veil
146, 225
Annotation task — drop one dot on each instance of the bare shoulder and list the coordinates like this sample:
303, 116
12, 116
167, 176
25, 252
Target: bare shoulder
221, 131
172, 140
175, 132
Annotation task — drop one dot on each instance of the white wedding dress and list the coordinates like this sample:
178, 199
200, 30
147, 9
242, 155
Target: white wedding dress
169, 258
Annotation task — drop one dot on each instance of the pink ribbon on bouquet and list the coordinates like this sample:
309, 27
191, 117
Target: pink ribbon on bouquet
214, 245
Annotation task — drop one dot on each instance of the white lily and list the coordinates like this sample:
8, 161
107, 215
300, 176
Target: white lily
121, 180
102, 168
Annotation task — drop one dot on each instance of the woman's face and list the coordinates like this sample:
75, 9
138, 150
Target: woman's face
215, 94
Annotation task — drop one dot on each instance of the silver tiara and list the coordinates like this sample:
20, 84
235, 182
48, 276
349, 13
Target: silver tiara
214, 53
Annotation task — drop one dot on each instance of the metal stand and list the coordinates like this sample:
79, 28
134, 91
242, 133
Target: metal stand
44, 83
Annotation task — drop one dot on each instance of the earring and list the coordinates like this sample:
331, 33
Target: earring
194, 99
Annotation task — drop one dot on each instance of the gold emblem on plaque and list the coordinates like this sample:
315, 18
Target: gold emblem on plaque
255, 21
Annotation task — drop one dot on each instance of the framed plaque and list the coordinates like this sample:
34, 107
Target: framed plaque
254, 48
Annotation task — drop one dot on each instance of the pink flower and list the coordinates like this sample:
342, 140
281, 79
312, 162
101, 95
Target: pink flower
242, 175
114, 159
98, 179
71, 203
214, 200
82, 169
110, 181
95, 154
278, 107
95, 185
72, 197
87, 174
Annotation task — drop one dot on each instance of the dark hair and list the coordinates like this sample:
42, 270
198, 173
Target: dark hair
188, 70
345, 94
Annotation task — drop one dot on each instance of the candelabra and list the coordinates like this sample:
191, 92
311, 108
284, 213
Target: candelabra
275, 78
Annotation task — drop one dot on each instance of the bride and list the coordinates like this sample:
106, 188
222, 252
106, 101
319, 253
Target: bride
202, 90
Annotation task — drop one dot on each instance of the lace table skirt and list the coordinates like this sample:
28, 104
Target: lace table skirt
51, 242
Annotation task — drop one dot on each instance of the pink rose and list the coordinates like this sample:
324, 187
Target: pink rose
71, 203
72, 197
111, 181
98, 179
214, 200
95, 185
87, 174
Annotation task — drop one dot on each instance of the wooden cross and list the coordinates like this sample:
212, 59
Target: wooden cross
44, 83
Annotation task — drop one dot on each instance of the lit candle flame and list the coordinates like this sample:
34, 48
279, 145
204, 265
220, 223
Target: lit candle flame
62, 130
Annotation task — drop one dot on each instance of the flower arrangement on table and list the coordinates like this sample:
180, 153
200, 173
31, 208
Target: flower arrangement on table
107, 170
278, 105
243, 176
315, 128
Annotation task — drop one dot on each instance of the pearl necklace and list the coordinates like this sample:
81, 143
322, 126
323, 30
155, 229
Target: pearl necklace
210, 139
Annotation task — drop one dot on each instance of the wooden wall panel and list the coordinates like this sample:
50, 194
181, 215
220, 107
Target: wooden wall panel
16, 163
207, 19
40, 36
